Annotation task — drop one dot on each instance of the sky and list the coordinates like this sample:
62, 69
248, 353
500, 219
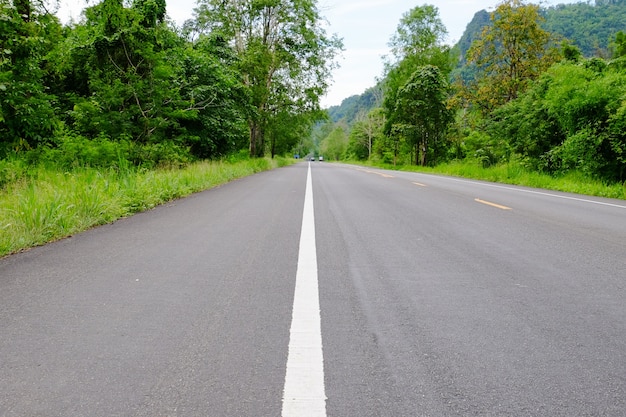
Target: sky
366, 26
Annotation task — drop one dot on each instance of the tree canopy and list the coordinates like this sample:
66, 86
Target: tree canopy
242, 74
285, 55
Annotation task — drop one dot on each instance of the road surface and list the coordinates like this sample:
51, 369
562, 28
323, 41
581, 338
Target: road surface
435, 297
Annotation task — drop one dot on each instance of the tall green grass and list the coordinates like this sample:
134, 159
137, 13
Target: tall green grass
514, 173
48, 204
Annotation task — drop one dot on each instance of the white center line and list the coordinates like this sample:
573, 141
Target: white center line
304, 394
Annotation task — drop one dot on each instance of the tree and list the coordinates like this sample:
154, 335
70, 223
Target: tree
619, 45
510, 53
287, 130
27, 115
420, 29
214, 106
285, 54
123, 60
417, 43
334, 146
368, 128
421, 113
419, 40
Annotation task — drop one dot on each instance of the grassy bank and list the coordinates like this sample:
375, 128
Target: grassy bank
513, 173
49, 205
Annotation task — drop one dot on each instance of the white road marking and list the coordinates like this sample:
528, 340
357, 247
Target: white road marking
304, 393
521, 190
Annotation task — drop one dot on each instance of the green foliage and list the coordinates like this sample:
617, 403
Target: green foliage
587, 26
411, 52
335, 145
570, 52
419, 31
572, 119
124, 74
421, 114
27, 113
422, 61
12, 169
619, 46
508, 55
472, 33
366, 131
132, 86
528, 126
285, 56
487, 150
218, 104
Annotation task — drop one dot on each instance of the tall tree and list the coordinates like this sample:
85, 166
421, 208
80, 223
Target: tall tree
367, 128
421, 113
510, 53
285, 54
418, 42
419, 31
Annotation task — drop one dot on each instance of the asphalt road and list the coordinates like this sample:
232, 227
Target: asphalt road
438, 297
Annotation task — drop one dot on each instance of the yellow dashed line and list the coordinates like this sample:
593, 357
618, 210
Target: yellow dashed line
478, 200
375, 172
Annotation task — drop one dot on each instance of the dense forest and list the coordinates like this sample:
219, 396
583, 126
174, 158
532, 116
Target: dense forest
541, 88
123, 85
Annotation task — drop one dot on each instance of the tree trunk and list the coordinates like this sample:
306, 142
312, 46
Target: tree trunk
417, 154
257, 139
395, 151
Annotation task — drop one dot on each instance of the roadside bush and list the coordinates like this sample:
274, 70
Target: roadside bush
72, 150
484, 148
580, 151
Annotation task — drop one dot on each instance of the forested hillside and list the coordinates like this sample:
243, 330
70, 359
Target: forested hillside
537, 90
351, 107
589, 26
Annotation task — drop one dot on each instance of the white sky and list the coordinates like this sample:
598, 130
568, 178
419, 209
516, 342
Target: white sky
365, 26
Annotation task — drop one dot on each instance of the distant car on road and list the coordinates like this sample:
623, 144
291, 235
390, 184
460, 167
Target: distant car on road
321, 158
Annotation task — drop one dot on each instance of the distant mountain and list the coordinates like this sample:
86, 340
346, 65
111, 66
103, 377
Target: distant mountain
472, 32
350, 107
590, 27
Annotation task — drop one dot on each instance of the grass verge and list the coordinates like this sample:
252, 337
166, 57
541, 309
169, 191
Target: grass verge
50, 205
512, 173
